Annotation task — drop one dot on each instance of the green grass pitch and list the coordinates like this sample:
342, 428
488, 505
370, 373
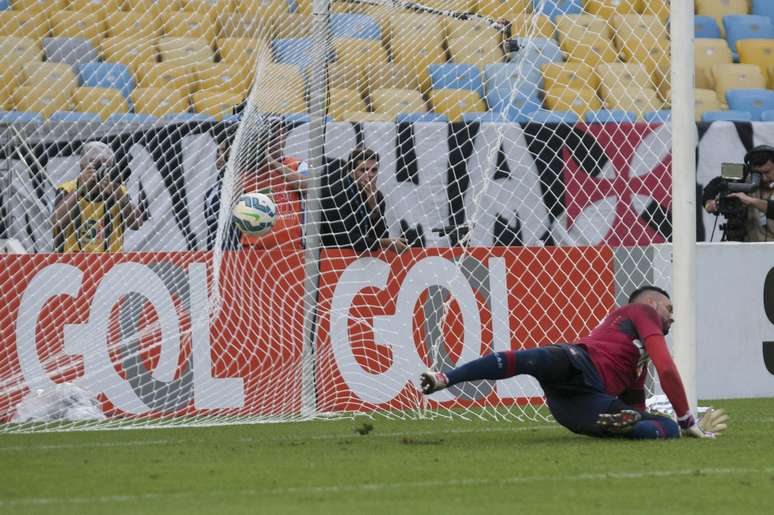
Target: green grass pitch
412, 467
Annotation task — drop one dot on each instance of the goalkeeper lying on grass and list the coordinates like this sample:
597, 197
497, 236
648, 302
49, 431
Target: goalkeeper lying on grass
596, 386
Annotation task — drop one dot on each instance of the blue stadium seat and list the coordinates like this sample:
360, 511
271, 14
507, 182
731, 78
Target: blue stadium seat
661, 116
533, 53
756, 101
106, 75
20, 117
355, 26
763, 8
554, 8
456, 76
706, 27
420, 117
746, 27
505, 91
609, 116
187, 117
728, 116
75, 116
546, 116
296, 118
5, 5
489, 116
767, 116
132, 118
293, 51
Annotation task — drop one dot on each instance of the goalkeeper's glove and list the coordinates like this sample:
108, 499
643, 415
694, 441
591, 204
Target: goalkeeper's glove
713, 423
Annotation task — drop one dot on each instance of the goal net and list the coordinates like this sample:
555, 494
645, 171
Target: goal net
451, 178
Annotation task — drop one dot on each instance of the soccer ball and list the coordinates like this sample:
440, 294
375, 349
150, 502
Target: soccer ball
254, 213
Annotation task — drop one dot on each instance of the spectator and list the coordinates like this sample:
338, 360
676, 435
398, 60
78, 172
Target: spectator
92, 212
353, 209
224, 136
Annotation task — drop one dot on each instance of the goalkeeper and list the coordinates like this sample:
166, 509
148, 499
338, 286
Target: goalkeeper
596, 386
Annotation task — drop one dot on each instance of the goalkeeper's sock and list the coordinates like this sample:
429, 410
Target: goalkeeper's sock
545, 363
654, 428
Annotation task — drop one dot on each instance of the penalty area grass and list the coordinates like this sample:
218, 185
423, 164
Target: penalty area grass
412, 467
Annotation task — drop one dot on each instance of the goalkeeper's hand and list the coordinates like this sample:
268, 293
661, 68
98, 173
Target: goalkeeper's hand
712, 424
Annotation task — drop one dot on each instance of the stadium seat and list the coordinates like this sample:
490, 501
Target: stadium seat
591, 50
747, 27
532, 25
20, 117
719, 8
225, 77
418, 42
654, 55
41, 98
217, 104
615, 76
185, 50
235, 25
737, 76
609, 116
190, 25
507, 90
395, 101
137, 23
607, 8
286, 76
533, 53
74, 116
158, 101
263, 9
104, 101
456, 76
454, 102
637, 101
634, 32
168, 75
705, 100
344, 100
128, 51
106, 75
101, 7
74, 24
574, 75
8, 78
16, 51
554, 8
359, 52
72, 51
243, 51
577, 100
345, 75
354, 26
546, 116
503, 9
292, 26
21, 24
757, 51
389, 75
54, 76
706, 27
132, 118
755, 101
422, 118
728, 116
658, 8
278, 99
293, 51
39, 6
707, 53
763, 8
478, 50
768, 116
664, 115
574, 27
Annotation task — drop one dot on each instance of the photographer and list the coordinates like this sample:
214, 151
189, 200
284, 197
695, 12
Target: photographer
734, 199
92, 212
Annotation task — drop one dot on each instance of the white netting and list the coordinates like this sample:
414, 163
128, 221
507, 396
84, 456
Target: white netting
517, 148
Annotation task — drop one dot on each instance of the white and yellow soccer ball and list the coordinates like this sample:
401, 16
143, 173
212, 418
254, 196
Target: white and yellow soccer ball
254, 213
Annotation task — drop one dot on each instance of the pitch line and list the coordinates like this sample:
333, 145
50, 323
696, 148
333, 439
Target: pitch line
378, 487
331, 436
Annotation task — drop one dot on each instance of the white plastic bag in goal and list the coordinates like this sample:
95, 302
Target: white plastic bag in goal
661, 404
65, 402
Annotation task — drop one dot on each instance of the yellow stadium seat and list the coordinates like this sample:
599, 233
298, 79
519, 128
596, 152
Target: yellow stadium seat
264, 8
569, 75
215, 103
653, 54
418, 42
71, 24
633, 31
157, 6
25, 24
101, 7
531, 25
575, 27
15, 52
607, 8
614, 76
278, 100
455, 28
277, 76
757, 51
227, 77
185, 50
658, 8
212, 7
348, 76
41, 98
244, 51
394, 101
390, 76
104, 101
633, 100
236, 25
190, 24
720, 8
591, 50
344, 100
129, 51
771, 76
39, 6
289, 25
576, 100
158, 101
454, 102
134, 24
662, 80
479, 47
462, 6
499, 9
364, 116
380, 13
706, 100
707, 53
166, 75
58, 76
736, 76
359, 51
7, 87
